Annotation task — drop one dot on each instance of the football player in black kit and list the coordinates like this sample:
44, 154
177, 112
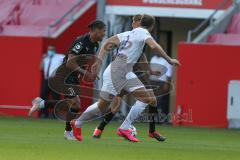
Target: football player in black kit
67, 77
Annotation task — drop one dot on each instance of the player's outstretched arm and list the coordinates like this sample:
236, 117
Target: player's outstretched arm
145, 66
159, 50
110, 44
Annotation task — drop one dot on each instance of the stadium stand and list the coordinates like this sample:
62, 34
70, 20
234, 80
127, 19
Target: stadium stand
234, 26
232, 34
226, 39
27, 27
33, 17
7, 9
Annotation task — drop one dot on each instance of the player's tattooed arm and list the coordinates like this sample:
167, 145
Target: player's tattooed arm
159, 50
74, 66
71, 62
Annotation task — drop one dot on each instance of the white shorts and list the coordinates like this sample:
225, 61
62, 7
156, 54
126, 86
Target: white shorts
118, 77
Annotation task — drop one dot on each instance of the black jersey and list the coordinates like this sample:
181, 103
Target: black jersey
82, 45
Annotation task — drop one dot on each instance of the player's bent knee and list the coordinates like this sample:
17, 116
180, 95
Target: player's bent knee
152, 99
153, 102
103, 105
72, 102
115, 109
115, 105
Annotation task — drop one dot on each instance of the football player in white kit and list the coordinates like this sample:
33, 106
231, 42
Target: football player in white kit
119, 77
144, 71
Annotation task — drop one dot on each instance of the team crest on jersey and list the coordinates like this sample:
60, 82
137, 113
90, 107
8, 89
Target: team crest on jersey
125, 44
77, 47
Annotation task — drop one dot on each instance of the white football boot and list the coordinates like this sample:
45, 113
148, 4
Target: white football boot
68, 135
36, 105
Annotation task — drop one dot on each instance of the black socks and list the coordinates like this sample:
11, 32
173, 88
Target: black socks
107, 118
152, 116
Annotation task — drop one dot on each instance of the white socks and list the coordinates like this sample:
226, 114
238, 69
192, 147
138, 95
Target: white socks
88, 114
41, 104
93, 111
135, 111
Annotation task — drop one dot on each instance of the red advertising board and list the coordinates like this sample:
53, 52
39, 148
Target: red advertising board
200, 4
202, 83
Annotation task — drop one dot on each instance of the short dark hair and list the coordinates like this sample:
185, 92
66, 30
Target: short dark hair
137, 17
52, 47
96, 24
147, 21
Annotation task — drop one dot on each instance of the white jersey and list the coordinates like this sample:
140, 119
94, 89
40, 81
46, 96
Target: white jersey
132, 43
118, 75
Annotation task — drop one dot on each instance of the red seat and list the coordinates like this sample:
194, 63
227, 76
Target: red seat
20, 30
226, 39
234, 26
25, 17
6, 9
57, 2
41, 15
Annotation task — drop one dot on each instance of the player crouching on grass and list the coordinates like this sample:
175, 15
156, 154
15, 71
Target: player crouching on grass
118, 76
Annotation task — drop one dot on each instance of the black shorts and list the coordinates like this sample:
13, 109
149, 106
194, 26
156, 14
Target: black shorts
65, 82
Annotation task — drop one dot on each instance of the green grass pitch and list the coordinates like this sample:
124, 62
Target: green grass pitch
33, 139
